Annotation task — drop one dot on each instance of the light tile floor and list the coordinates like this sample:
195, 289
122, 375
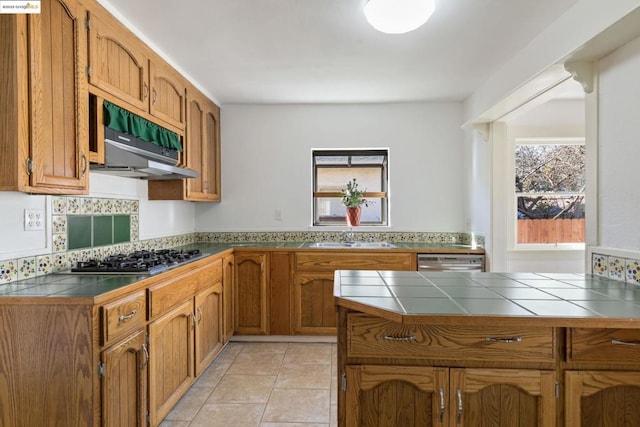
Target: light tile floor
263, 385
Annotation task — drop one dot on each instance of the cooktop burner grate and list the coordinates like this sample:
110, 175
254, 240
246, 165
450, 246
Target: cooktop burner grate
138, 262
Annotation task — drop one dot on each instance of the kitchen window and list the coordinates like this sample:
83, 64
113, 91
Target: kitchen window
332, 169
549, 192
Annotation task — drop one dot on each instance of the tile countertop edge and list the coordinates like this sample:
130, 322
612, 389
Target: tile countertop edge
380, 306
483, 319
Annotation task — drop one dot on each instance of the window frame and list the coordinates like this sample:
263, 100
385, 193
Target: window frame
351, 152
512, 196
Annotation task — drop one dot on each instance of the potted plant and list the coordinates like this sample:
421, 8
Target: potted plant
353, 199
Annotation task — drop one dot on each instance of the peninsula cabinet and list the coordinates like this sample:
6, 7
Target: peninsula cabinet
389, 396
252, 305
44, 110
124, 70
603, 378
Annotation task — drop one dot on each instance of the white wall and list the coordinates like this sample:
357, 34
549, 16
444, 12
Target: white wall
619, 148
266, 163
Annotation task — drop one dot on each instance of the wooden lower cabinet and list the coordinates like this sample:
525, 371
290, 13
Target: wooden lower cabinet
386, 395
228, 296
209, 337
502, 397
124, 382
390, 396
602, 399
252, 307
314, 307
171, 359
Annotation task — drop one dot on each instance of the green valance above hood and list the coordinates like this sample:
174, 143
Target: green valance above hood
124, 121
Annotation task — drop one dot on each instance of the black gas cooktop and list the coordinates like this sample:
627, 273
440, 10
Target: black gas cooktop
138, 262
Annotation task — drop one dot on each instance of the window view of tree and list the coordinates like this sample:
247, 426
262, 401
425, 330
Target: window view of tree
549, 186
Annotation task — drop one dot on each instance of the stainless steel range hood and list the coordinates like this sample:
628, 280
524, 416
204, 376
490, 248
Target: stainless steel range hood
128, 156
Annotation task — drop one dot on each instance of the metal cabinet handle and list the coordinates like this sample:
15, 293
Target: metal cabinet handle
125, 317
201, 315
155, 96
443, 405
146, 355
503, 340
145, 94
83, 162
459, 414
407, 338
628, 343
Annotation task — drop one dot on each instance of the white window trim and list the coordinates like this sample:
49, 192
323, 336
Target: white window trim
512, 202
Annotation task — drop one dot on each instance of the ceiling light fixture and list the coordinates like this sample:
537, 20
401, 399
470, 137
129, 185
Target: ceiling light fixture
398, 16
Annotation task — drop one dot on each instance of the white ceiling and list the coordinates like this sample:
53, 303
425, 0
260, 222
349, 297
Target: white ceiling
323, 51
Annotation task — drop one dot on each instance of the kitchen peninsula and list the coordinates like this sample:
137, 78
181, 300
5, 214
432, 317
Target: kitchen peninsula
471, 349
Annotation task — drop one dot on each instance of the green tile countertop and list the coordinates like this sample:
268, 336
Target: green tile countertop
61, 285
456, 297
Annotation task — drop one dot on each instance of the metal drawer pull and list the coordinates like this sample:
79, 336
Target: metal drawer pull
459, 414
443, 406
407, 338
125, 317
503, 340
629, 343
146, 355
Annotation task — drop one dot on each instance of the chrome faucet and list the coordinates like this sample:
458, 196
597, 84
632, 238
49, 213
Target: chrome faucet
348, 236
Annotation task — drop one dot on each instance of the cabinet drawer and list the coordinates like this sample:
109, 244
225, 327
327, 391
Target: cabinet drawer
171, 292
370, 336
123, 315
353, 261
604, 345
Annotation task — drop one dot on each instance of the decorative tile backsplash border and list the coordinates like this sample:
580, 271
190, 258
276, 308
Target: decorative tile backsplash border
617, 265
336, 236
62, 258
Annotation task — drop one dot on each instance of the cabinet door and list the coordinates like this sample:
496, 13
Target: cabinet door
168, 90
228, 295
602, 399
124, 383
58, 98
202, 148
119, 61
502, 397
209, 335
171, 359
391, 396
251, 293
314, 306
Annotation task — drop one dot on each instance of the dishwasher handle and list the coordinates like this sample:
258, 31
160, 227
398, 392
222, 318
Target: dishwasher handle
431, 262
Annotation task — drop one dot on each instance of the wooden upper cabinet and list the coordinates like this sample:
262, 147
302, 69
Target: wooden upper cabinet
201, 153
124, 70
167, 97
59, 107
119, 62
44, 111
203, 148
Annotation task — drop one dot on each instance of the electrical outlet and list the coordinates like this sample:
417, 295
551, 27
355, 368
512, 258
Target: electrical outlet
278, 215
33, 219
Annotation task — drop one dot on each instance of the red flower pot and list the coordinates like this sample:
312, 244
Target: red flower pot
353, 216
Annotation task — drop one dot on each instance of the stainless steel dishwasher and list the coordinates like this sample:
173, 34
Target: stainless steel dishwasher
450, 262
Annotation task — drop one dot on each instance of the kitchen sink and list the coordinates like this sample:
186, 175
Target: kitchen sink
363, 245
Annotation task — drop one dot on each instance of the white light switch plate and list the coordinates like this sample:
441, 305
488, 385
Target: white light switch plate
33, 219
